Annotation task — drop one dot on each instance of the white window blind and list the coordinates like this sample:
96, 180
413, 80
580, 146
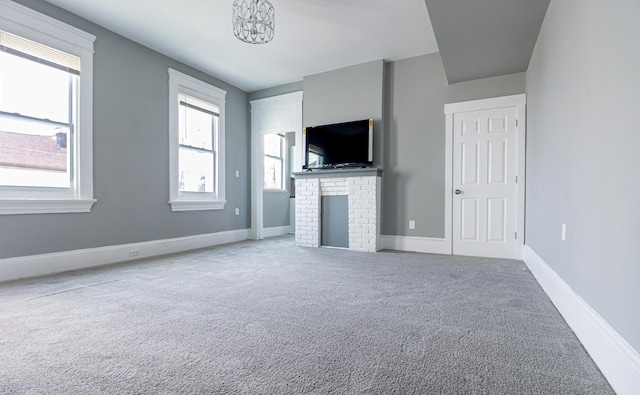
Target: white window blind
35, 51
197, 104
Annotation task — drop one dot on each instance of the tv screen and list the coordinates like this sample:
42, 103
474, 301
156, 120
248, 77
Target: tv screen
339, 145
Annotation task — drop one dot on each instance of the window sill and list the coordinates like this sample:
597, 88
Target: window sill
45, 206
274, 190
197, 205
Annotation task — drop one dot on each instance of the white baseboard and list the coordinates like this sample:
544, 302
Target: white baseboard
617, 360
276, 231
40, 265
416, 244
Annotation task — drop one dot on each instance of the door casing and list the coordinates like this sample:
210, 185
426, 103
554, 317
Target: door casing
277, 114
519, 102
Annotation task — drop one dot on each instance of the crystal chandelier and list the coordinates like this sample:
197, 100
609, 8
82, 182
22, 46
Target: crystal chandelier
253, 21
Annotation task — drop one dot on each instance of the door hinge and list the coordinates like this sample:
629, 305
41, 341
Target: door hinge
516, 235
516, 179
516, 123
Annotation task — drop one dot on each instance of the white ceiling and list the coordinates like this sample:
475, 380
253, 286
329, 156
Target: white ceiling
311, 36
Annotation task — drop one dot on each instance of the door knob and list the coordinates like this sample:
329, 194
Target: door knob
457, 191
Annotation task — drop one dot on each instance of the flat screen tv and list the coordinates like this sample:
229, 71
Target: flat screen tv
348, 144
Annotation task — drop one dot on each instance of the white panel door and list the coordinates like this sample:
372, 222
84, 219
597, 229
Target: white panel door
484, 182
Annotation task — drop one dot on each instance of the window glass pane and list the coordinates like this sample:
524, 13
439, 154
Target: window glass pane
35, 126
273, 145
33, 89
196, 128
195, 170
272, 173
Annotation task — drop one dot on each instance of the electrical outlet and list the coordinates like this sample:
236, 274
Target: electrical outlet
237, 173
237, 211
134, 252
564, 232
412, 224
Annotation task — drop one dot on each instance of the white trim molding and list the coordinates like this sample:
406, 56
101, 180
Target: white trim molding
195, 205
45, 264
617, 360
277, 114
427, 245
45, 206
276, 231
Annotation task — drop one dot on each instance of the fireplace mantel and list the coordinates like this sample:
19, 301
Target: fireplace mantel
363, 189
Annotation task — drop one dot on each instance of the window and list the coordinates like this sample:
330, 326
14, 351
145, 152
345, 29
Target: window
196, 149
198, 124
46, 143
274, 165
36, 114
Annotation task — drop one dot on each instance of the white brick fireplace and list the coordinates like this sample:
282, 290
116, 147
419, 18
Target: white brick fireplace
363, 188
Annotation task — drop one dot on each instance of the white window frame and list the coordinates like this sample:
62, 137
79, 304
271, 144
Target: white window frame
192, 201
32, 25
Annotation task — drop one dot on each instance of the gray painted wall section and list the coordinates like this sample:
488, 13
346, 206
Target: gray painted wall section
414, 141
131, 160
276, 209
276, 90
347, 94
582, 154
334, 229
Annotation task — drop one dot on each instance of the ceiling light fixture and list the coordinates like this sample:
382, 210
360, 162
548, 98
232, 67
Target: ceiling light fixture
253, 21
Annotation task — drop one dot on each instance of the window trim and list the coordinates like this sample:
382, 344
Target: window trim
192, 201
32, 25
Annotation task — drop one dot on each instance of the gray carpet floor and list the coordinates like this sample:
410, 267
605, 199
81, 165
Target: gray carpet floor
272, 318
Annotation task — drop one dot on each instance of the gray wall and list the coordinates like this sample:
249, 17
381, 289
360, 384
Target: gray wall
276, 90
276, 208
347, 94
131, 169
414, 142
334, 217
582, 154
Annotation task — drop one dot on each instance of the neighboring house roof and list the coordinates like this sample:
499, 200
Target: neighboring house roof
31, 152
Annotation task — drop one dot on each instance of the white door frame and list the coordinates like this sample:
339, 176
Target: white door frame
277, 114
518, 101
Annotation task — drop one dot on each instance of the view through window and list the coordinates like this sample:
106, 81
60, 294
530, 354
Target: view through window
38, 99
